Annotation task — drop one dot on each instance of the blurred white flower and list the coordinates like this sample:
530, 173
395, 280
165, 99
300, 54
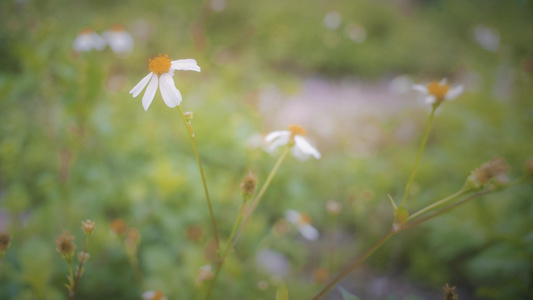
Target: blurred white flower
303, 223
88, 40
436, 92
273, 262
301, 149
356, 33
332, 20
487, 37
161, 73
118, 39
154, 295
333, 207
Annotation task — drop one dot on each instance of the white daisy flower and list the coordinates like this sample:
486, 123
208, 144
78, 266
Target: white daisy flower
301, 148
303, 223
119, 40
88, 40
161, 73
154, 295
437, 92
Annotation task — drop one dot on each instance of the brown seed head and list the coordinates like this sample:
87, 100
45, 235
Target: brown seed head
133, 236
194, 232
321, 275
87, 226
249, 183
65, 244
118, 226
5, 241
496, 170
449, 293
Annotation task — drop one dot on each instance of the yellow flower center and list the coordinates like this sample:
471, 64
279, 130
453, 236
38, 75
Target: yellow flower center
117, 27
158, 295
304, 219
438, 90
296, 130
86, 30
160, 64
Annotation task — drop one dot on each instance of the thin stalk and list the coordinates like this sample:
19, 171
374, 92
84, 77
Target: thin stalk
79, 271
260, 194
406, 226
226, 250
355, 264
420, 151
459, 193
188, 126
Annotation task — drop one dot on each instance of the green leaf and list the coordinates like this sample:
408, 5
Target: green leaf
282, 293
346, 295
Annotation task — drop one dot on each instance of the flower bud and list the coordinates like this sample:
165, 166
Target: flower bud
5, 242
449, 293
87, 226
248, 185
83, 256
494, 170
188, 115
400, 218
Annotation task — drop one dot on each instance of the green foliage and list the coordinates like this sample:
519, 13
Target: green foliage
74, 145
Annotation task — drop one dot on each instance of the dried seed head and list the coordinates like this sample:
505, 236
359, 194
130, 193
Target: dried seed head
87, 226
449, 293
5, 241
248, 185
65, 244
118, 226
495, 170
204, 273
321, 275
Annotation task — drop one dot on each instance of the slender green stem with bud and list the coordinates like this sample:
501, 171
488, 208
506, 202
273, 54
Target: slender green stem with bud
197, 156
260, 194
420, 151
234, 237
404, 227
79, 271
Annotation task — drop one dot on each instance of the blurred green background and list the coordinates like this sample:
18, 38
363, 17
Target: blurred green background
74, 145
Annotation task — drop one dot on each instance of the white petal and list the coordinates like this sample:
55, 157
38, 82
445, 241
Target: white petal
292, 216
150, 92
185, 64
136, 90
299, 154
454, 92
443, 81
309, 232
275, 134
166, 85
430, 100
305, 147
420, 88
282, 140
148, 295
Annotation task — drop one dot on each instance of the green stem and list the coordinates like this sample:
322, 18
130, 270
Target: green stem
226, 250
260, 194
420, 151
188, 126
355, 264
406, 226
459, 193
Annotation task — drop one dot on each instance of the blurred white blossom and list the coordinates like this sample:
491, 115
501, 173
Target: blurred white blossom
118, 39
436, 92
301, 149
88, 40
303, 223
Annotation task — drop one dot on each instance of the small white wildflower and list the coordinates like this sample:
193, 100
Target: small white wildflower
301, 148
161, 73
303, 223
88, 40
437, 92
119, 40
